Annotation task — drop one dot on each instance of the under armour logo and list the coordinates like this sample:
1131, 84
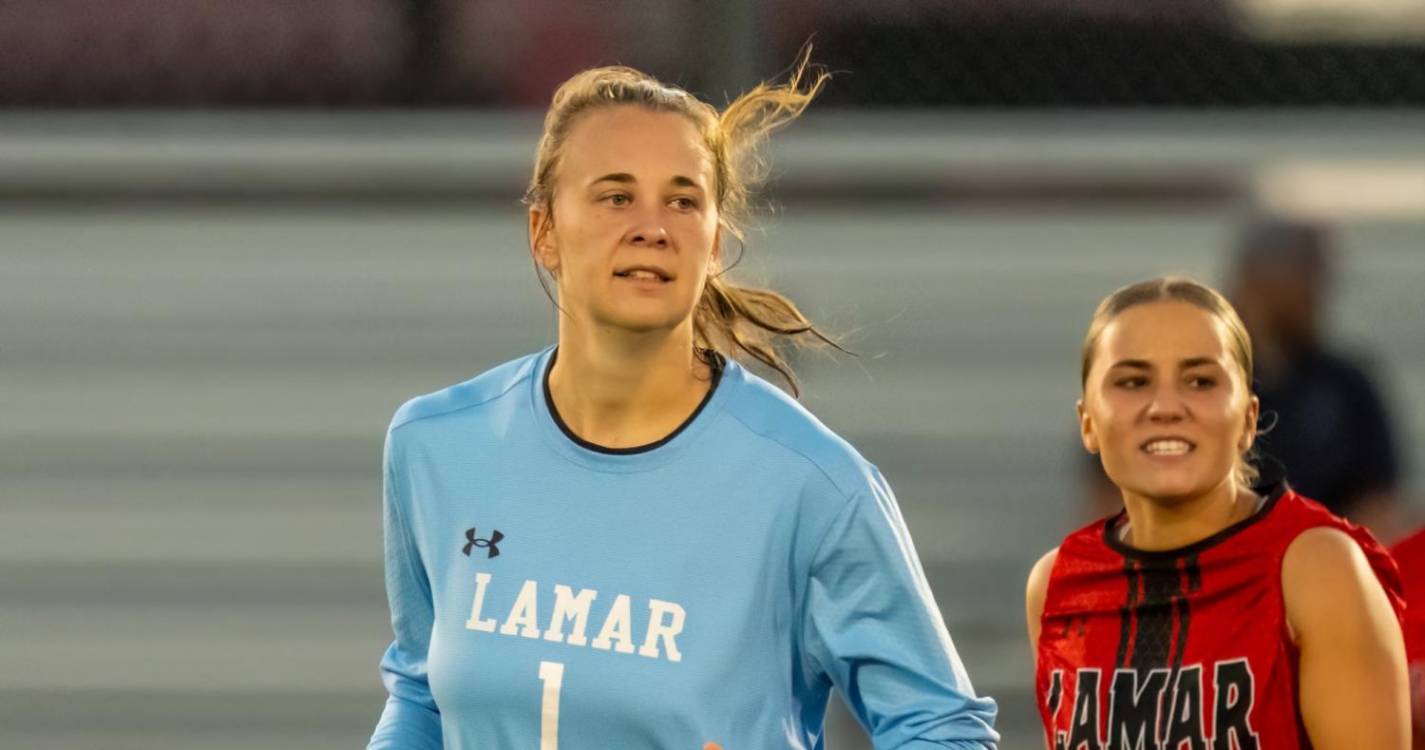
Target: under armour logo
489, 544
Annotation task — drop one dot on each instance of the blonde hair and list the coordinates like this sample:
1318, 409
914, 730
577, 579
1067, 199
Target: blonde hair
1177, 289
728, 318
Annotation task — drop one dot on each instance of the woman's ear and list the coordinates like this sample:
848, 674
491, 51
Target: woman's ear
541, 239
1086, 432
1249, 430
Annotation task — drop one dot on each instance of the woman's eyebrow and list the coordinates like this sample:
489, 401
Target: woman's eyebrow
621, 177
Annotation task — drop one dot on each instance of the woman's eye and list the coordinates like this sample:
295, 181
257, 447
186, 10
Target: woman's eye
617, 199
1131, 383
684, 204
1201, 382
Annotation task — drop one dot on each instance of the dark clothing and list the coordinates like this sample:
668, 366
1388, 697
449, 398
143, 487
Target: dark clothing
1329, 430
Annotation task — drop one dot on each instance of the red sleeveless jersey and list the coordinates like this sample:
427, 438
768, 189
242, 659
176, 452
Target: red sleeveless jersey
1409, 554
1183, 649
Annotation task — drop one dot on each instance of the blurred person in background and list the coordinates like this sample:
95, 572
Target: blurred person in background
1205, 613
1326, 423
629, 540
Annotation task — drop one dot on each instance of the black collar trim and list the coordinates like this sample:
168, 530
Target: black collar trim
713, 358
1110, 538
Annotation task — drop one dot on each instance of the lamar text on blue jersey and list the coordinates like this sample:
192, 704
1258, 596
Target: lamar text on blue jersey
712, 587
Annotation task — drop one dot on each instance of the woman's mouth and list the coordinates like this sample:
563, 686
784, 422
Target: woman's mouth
1167, 447
643, 273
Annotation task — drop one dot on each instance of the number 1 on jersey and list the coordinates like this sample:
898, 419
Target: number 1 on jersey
551, 673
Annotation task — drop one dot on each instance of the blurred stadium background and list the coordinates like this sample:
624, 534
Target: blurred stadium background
236, 235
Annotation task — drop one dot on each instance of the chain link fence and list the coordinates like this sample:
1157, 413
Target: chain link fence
973, 55
896, 53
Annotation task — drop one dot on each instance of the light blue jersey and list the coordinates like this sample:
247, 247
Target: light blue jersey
711, 588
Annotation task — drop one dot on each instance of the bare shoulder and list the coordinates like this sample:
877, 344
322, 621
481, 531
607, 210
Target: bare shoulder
1035, 591
1352, 685
1038, 584
1322, 551
1326, 576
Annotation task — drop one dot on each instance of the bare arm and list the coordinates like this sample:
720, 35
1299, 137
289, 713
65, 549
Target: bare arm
1034, 596
1035, 592
1353, 687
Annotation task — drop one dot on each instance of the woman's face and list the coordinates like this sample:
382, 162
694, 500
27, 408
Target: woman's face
1165, 404
635, 228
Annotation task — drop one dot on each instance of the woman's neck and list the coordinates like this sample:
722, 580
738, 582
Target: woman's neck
622, 390
1155, 525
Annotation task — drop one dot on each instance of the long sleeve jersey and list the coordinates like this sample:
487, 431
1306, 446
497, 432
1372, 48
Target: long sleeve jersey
712, 587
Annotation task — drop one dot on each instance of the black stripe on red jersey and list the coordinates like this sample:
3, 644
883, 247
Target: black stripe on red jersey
1155, 617
1156, 612
1056, 692
1191, 583
1125, 612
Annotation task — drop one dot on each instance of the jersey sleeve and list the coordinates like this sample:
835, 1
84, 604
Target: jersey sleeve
411, 719
871, 624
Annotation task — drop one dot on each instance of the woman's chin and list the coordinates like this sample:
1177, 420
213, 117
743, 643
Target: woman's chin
1172, 490
644, 319
642, 324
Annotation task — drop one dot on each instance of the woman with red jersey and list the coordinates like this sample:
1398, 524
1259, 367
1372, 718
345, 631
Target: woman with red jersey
1205, 616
